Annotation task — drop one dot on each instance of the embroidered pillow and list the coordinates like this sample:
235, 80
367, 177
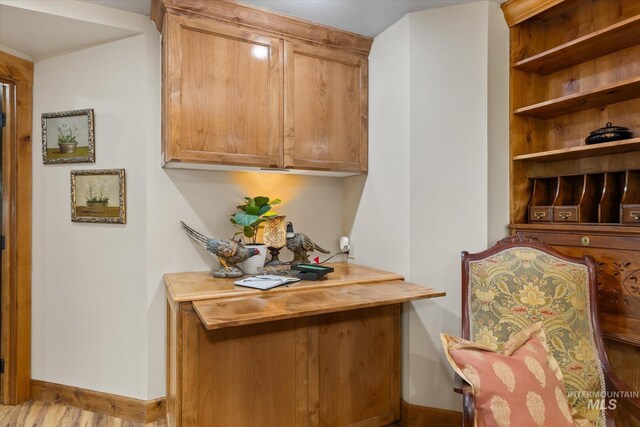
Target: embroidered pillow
521, 386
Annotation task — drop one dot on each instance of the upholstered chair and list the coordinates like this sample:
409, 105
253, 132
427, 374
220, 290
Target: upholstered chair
521, 281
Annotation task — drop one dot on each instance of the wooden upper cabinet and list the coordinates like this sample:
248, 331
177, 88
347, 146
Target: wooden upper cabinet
224, 94
325, 108
245, 87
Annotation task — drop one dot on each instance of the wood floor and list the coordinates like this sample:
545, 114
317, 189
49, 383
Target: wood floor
38, 414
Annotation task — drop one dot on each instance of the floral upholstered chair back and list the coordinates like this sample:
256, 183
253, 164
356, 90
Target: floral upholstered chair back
512, 288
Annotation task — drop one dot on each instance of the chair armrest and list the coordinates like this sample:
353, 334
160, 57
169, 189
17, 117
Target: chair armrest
622, 394
460, 386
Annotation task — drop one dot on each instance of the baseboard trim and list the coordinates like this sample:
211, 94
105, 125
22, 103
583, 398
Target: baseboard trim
424, 416
144, 411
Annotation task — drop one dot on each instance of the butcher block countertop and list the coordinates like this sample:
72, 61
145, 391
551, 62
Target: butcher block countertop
220, 303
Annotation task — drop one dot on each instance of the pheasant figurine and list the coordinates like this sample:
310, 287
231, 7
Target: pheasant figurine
229, 252
300, 244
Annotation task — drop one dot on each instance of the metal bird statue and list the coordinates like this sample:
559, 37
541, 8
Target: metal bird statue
300, 244
229, 252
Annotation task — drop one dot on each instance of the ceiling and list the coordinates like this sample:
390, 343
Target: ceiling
368, 17
40, 34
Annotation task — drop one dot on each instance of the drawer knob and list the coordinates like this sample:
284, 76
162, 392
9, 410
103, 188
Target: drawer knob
635, 215
540, 215
565, 215
586, 241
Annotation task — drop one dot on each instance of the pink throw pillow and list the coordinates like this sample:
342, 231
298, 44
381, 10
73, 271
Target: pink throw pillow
521, 386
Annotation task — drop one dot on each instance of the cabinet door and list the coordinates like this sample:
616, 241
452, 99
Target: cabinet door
223, 94
326, 108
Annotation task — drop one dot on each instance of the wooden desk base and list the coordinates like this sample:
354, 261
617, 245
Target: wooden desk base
336, 369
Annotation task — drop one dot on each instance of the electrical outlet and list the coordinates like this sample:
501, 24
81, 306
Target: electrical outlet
345, 244
351, 254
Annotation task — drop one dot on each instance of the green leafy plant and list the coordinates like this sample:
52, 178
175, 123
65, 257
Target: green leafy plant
65, 134
93, 199
252, 214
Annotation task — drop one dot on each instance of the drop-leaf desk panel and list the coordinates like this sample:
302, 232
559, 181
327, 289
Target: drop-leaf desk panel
312, 354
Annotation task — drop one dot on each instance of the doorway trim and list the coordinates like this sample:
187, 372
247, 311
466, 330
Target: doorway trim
15, 333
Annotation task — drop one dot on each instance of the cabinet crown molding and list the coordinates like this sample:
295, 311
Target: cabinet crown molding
262, 19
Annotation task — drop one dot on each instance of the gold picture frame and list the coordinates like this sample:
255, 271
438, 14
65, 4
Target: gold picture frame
98, 195
68, 137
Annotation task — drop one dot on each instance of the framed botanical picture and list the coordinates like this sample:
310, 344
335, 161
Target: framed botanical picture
98, 196
68, 137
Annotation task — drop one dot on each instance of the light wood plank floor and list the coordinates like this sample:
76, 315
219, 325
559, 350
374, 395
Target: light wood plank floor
38, 414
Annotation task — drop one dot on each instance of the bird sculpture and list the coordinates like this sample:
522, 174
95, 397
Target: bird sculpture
300, 244
229, 252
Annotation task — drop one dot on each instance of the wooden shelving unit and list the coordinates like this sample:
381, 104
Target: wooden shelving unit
598, 97
582, 151
613, 38
575, 65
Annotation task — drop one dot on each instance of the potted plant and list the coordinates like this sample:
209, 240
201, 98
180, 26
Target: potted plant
249, 218
66, 139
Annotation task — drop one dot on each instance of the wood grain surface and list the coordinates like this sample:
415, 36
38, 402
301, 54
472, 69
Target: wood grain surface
258, 18
517, 11
183, 287
290, 356
573, 98
425, 416
618, 36
16, 74
142, 411
224, 93
267, 307
40, 414
326, 108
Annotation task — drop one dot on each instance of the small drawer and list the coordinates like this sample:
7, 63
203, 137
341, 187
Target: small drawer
540, 214
565, 214
630, 214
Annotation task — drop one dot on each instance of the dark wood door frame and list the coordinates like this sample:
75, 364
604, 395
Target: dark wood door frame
16, 216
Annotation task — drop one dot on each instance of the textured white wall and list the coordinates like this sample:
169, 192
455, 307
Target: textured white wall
449, 63
498, 209
89, 322
377, 204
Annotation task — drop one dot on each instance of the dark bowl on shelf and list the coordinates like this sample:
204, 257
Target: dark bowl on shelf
607, 134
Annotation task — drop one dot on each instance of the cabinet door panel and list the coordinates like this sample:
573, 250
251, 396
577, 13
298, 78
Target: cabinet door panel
225, 94
325, 108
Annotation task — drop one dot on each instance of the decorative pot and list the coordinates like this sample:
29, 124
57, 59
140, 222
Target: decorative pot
608, 133
97, 207
254, 264
67, 148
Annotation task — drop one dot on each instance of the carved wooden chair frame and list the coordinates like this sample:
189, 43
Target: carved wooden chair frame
613, 383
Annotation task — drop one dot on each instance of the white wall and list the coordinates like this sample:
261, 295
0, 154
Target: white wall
450, 96
98, 297
498, 208
89, 322
377, 204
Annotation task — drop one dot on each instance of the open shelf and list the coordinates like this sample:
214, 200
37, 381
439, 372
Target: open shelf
611, 39
605, 95
615, 147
